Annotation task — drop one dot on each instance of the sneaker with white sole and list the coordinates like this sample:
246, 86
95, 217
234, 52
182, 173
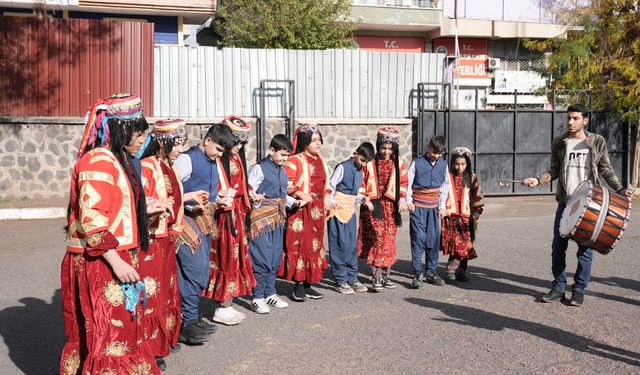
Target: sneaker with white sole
226, 316
242, 315
344, 288
277, 302
259, 305
359, 287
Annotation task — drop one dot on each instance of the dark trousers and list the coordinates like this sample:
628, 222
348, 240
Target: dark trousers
193, 274
266, 256
343, 249
425, 239
559, 256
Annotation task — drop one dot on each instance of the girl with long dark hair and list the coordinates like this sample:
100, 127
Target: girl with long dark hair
463, 208
385, 184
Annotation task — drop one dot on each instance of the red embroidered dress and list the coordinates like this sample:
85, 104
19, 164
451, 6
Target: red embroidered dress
377, 236
231, 271
159, 268
456, 239
304, 255
101, 335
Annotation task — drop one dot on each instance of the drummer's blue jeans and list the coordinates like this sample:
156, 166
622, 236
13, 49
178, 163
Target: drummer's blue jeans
558, 260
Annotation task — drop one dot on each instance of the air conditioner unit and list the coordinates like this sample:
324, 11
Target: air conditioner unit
493, 63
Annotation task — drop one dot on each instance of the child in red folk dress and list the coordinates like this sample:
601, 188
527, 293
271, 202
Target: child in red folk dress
463, 208
102, 295
231, 271
161, 183
385, 184
304, 259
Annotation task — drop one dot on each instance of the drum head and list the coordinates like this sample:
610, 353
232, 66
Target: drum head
574, 209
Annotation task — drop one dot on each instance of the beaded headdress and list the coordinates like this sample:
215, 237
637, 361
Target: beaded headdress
388, 134
123, 107
239, 128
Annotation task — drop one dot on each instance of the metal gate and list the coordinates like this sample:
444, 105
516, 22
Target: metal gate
510, 143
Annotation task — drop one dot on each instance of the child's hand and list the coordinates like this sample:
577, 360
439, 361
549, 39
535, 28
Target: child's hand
411, 207
257, 198
476, 216
442, 214
402, 206
304, 196
227, 193
299, 203
369, 206
224, 201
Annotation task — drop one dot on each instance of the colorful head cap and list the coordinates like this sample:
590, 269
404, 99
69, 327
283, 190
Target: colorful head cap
304, 128
169, 129
119, 106
461, 151
239, 128
388, 134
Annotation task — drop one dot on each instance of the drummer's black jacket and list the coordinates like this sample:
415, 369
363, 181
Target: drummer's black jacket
600, 165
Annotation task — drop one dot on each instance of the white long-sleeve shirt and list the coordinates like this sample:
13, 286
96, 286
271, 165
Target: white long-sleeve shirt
444, 188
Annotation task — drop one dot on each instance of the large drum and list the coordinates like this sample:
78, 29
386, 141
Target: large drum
595, 217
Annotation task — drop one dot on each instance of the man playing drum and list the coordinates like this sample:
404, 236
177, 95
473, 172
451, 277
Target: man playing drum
576, 156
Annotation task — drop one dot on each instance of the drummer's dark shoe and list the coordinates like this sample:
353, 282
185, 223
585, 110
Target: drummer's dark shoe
577, 299
553, 296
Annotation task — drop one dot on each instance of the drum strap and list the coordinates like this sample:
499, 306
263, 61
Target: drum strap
602, 216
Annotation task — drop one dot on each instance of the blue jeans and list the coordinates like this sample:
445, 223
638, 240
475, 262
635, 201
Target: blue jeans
193, 275
558, 260
424, 232
343, 252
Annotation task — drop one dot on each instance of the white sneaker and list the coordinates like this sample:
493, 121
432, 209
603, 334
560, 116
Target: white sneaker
239, 313
260, 306
276, 301
226, 316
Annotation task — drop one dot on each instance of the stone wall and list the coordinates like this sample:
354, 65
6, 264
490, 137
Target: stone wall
37, 154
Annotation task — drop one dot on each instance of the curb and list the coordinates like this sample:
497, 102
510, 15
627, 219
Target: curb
32, 213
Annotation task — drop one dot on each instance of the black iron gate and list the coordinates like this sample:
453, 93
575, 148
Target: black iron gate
511, 143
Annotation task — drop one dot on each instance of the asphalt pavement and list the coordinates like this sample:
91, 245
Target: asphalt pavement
492, 324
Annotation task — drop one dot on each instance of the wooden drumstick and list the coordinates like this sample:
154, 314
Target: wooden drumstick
507, 182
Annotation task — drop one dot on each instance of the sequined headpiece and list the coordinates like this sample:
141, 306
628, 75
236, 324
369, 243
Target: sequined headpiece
304, 128
169, 129
120, 106
461, 151
388, 134
239, 128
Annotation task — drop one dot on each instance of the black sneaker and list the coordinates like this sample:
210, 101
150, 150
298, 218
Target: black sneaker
299, 293
191, 334
376, 285
417, 281
206, 326
553, 296
161, 363
388, 283
434, 279
312, 293
577, 299
451, 276
175, 349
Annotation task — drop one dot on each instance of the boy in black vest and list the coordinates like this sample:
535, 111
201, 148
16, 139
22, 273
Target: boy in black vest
268, 186
429, 185
342, 227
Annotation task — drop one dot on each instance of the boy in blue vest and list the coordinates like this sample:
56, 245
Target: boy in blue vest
429, 185
342, 225
199, 174
268, 184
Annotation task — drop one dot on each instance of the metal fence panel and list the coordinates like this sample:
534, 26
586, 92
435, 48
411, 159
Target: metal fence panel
516, 144
206, 81
58, 67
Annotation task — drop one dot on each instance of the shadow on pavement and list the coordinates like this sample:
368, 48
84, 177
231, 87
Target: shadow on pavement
490, 280
469, 316
34, 334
